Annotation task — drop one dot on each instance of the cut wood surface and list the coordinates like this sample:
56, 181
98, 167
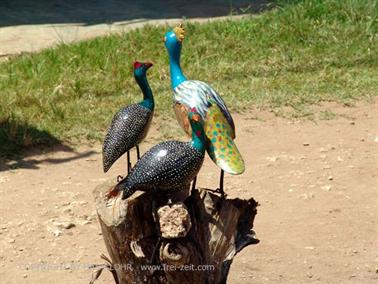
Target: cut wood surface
191, 240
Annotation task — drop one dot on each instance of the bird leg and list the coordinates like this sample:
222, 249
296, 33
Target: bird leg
194, 183
155, 249
138, 153
128, 162
156, 219
221, 181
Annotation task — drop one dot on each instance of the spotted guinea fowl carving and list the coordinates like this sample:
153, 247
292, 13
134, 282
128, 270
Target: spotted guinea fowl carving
131, 123
218, 123
168, 166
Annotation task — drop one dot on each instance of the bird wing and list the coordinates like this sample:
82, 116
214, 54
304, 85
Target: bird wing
221, 147
181, 112
167, 165
128, 128
198, 94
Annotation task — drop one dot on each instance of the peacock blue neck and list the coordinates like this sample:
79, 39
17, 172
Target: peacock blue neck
198, 136
177, 77
148, 98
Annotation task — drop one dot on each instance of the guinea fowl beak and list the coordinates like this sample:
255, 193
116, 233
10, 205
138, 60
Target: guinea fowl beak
148, 64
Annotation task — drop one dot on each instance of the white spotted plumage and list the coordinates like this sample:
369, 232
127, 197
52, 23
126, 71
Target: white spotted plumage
129, 127
168, 166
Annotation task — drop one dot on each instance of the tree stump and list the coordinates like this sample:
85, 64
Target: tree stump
192, 240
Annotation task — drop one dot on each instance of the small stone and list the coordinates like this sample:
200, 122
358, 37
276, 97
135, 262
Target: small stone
327, 187
326, 167
310, 247
56, 232
362, 139
306, 196
306, 144
339, 159
4, 179
330, 178
57, 226
67, 266
322, 150
376, 139
63, 224
67, 210
352, 122
11, 241
25, 276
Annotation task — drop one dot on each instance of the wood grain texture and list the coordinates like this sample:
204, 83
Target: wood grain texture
132, 234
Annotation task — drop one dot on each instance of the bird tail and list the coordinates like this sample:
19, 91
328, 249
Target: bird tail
123, 187
221, 147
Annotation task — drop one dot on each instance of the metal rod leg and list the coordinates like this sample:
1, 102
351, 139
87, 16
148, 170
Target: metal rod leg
194, 183
221, 182
128, 162
138, 152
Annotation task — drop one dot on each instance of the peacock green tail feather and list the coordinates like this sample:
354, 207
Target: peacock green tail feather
221, 147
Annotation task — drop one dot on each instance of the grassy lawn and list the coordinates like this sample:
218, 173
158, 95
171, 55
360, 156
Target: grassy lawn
284, 60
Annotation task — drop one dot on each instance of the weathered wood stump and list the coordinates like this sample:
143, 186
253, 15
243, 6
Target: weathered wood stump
192, 240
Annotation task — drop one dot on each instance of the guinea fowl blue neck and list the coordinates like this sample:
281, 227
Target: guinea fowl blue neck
174, 51
198, 133
141, 79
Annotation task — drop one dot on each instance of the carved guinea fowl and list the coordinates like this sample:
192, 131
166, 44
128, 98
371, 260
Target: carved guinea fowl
218, 123
168, 166
130, 124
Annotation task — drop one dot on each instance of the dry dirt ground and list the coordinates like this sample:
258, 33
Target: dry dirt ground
316, 183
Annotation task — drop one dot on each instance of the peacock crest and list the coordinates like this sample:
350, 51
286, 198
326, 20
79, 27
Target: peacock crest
180, 32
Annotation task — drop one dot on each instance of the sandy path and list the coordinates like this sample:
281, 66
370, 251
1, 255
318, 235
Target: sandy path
29, 26
317, 221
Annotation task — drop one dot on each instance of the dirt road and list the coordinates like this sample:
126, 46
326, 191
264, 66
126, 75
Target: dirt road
316, 183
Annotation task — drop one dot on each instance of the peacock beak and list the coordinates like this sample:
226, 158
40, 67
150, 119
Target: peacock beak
148, 64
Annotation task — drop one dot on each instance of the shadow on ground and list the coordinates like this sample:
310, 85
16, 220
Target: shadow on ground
21, 141
90, 12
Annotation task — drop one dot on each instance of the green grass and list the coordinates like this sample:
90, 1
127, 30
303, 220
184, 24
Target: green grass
297, 55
